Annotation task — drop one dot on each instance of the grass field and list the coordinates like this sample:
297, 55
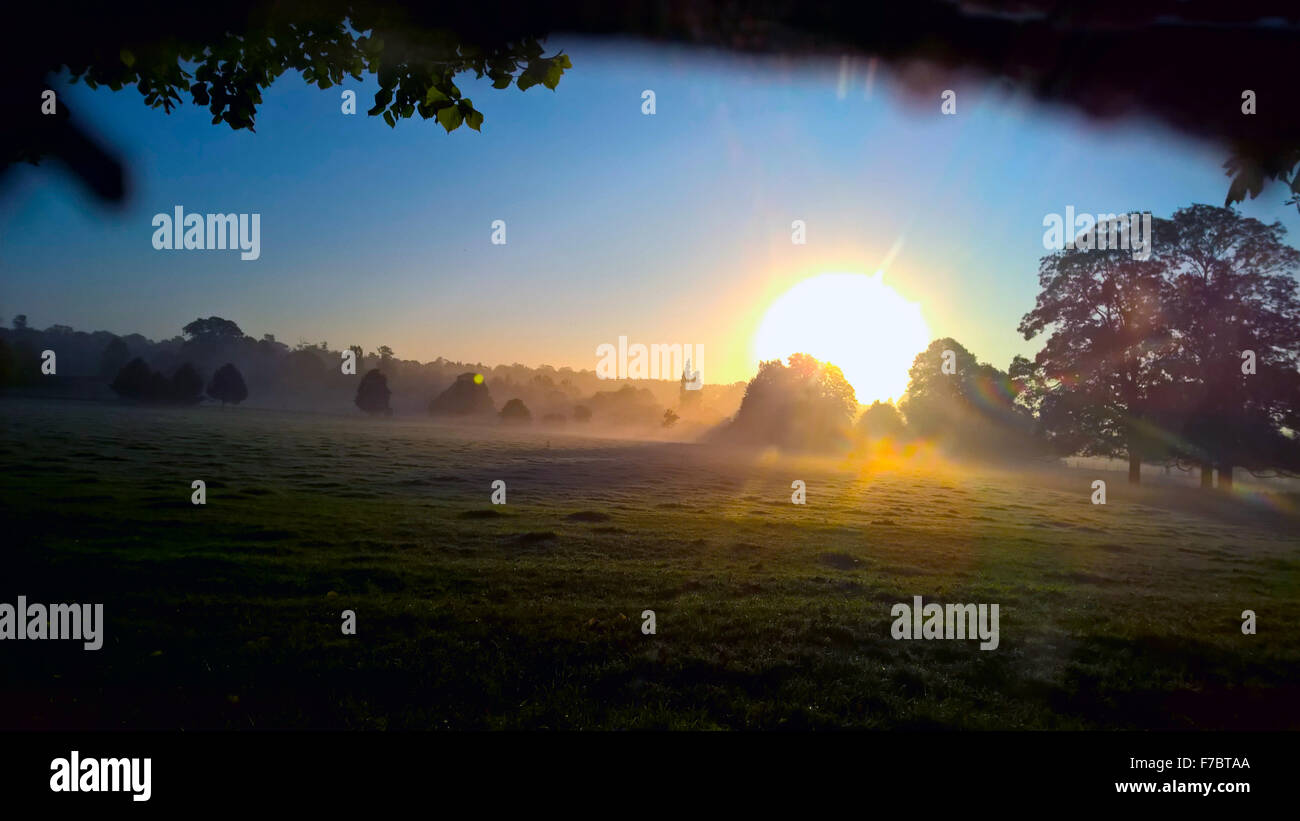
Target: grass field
527, 615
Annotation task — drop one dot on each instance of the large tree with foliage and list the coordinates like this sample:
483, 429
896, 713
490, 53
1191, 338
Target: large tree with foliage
187, 385
881, 421
1102, 371
8, 365
963, 404
467, 396
516, 412
136, 380
1232, 291
936, 397
133, 380
212, 329
372, 393
227, 385
805, 404
115, 355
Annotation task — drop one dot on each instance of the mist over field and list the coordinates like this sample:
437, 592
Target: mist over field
526, 615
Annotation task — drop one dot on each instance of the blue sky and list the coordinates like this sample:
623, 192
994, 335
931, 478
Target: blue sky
673, 227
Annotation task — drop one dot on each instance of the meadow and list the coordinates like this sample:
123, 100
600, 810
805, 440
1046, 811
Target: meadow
470, 615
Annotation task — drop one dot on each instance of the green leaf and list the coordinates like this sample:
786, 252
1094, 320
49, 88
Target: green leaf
382, 98
451, 118
127, 57
555, 70
388, 118
474, 120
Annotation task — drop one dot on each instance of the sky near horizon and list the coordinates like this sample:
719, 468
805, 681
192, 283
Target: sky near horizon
672, 227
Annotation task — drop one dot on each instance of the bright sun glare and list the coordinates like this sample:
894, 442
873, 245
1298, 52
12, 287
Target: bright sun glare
854, 321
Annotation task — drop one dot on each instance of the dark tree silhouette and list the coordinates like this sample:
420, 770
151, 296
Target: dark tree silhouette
133, 381
8, 365
467, 396
186, 385
373, 393
304, 371
214, 328
115, 355
160, 389
227, 385
1103, 368
670, 418
581, 413
516, 412
27, 364
1146, 357
1232, 290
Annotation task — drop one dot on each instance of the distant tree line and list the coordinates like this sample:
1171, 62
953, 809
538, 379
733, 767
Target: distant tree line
310, 376
136, 380
1189, 357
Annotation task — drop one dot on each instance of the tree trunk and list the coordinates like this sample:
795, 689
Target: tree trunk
1207, 477
1134, 468
1225, 477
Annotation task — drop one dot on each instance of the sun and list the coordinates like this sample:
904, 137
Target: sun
854, 321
